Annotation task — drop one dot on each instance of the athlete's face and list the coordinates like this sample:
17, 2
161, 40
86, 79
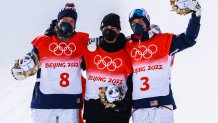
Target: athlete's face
139, 21
69, 20
110, 33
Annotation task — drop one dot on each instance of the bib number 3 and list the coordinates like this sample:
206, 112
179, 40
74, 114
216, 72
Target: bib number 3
145, 84
64, 80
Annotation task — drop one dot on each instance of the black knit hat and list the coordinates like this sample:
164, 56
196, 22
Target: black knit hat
112, 20
68, 11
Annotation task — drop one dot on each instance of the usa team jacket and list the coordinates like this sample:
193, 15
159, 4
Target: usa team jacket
59, 86
152, 60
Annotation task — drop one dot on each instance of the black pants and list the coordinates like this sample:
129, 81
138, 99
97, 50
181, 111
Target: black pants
109, 121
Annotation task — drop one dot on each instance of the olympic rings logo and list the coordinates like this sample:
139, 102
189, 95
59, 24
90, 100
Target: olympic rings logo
143, 51
62, 48
107, 62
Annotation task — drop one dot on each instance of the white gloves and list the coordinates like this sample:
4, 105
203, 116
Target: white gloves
25, 63
155, 29
191, 4
16, 73
93, 44
195, 6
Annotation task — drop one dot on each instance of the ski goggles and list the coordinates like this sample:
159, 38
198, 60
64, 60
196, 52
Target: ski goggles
138, 13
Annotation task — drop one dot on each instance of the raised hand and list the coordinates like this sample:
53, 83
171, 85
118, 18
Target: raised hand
195, 6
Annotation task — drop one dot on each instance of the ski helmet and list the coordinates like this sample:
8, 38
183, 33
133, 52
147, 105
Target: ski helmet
139, 13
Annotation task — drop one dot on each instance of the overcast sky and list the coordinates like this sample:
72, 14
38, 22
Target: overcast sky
194, 75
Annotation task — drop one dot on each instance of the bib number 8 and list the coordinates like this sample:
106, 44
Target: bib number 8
64, 80
145, 83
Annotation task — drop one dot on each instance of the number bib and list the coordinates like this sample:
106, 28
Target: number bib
60, 63
60, 77
151, 66
152, 82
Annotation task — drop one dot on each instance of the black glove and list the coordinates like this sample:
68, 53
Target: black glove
51, 30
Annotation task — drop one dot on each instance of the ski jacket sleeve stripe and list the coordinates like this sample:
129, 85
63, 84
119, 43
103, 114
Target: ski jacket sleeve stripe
187, 39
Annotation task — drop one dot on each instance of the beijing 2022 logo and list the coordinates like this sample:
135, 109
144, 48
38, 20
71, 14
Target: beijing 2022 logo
143, 52
107, 63
62, 48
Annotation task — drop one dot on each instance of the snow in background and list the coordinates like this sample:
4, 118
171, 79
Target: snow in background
194, 75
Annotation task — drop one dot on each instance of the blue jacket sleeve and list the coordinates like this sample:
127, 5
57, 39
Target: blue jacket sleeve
187, 39
36, 51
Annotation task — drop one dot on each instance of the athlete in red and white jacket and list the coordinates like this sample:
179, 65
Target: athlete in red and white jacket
152, 61
108, 67
57, 95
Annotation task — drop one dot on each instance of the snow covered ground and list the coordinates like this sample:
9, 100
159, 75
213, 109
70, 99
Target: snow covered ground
194, 81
